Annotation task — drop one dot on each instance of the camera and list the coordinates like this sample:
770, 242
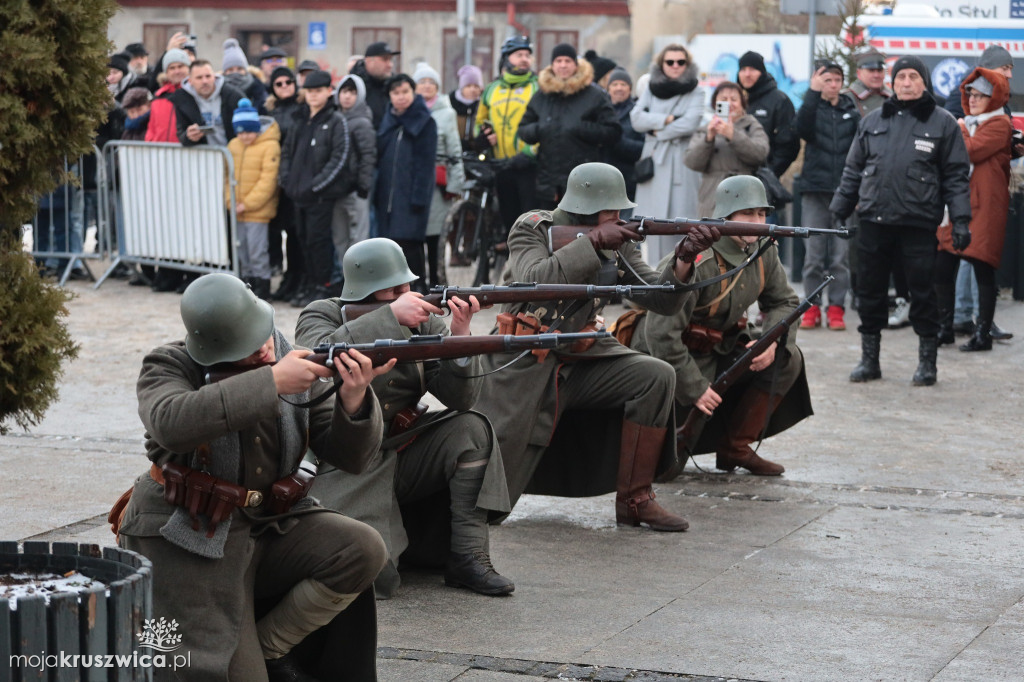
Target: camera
722, 109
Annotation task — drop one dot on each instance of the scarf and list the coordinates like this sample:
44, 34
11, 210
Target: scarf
513, 79
468, 102
663, 87
225, 462
138, 122
920, 108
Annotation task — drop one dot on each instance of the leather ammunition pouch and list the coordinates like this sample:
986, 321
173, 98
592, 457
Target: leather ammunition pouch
702, 340
406, 419
525, 324
624, 328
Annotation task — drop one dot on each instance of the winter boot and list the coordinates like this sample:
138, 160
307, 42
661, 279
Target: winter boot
745, 426
261, 287
927, 350
982, 339
868, 369
469, 564
634, 496
945, 298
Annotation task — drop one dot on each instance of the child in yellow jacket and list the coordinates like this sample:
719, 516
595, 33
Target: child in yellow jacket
256, 151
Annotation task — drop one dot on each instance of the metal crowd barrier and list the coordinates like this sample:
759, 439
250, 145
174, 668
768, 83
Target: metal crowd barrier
169, 206
61, 224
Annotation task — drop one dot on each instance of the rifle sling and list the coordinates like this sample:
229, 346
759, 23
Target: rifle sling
764, 245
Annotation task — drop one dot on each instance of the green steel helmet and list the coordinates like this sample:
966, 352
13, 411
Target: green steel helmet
739, 193
224, 320
372, 265
595, 187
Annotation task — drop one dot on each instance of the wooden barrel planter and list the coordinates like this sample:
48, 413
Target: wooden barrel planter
97, 620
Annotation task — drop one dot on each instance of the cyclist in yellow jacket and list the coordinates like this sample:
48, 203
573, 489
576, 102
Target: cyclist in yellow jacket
502, 105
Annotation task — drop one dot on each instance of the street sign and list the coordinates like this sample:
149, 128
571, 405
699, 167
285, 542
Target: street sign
317, 35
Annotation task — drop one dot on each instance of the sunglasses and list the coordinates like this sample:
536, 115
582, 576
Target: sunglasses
281, 84
675, 62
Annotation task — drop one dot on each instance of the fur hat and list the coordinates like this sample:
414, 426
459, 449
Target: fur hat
233, 56
245, 119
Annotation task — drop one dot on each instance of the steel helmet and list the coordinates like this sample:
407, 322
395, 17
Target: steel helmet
372, 265
513, 44
224, 320
739, 193
595, 187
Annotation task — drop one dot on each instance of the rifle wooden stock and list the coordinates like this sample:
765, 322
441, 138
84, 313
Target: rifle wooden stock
560, 235
517, 292
420, 348
687, 433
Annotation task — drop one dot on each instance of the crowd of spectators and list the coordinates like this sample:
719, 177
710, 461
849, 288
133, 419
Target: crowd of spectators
379, 153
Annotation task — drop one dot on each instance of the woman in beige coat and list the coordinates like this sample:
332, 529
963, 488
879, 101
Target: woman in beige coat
731, 144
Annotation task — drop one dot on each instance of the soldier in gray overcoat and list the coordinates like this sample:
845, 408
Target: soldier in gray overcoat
211, 562
527, 400
425, 456
706, 336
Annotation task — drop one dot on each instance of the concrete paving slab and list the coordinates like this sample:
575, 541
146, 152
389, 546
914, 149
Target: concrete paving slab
994, 656
418, 671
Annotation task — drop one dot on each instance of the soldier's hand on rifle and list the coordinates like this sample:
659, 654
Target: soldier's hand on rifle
708, 402
699, 239
411, 310
765, 359
611, 236
357, 371
462, 314
294, 373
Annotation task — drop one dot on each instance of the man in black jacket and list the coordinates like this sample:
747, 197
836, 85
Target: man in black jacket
773, 110
313, 174
907, 162
827, 121
204, 106
375, 68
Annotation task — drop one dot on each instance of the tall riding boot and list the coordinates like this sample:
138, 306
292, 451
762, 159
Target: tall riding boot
634, 497
927, 351
868, 369
982, 339
305, 608
946, 298
747, 423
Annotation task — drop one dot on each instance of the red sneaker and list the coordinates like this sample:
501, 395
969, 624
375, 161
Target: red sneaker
811, 318
835, 318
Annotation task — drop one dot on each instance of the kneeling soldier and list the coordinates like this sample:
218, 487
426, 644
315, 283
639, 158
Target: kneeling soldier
207, 513
425, 457
707, 335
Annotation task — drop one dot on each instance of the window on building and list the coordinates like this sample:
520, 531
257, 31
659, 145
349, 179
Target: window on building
365, 35
546, 41
255, 39
482, 55
155, 37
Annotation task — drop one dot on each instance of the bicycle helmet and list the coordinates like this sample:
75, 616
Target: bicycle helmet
513, 44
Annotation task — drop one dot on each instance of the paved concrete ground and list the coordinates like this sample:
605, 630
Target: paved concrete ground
890, 550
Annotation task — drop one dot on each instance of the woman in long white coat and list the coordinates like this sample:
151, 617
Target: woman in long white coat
449, 151
669, 112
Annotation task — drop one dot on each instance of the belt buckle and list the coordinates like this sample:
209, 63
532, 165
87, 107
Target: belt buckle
253, 498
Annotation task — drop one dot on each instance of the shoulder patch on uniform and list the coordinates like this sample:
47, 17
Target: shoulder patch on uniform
535, 218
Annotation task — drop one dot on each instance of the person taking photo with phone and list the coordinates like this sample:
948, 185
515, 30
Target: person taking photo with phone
733, 143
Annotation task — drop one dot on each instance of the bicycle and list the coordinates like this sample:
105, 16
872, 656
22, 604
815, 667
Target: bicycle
473, 248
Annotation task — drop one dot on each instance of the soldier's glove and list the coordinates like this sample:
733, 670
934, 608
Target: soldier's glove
700, 238
961, 236
611, 236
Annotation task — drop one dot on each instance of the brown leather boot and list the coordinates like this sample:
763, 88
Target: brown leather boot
747, 422
634, 498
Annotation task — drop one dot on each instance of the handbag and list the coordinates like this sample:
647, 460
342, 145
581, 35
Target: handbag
778, 195
441, 175
644, 169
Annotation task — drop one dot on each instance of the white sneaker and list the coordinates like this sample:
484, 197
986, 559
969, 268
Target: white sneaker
900, 315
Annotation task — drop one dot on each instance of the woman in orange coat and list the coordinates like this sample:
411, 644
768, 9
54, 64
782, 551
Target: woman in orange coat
986, 132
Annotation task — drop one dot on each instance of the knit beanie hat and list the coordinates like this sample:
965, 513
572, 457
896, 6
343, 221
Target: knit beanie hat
601, 65
911, 62
620, 75
470, 75
317, 79
245, 119
564, 50
980, 84
995, 56
280, 71
136, 97
753, 59
424, 70
118, 61
233, 55
174, 56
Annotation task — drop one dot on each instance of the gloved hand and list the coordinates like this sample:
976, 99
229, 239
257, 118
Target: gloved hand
611, 236
700, 238
961, 236
362, 193
518, 162
840, 222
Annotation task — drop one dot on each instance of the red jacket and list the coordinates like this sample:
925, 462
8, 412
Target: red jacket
163, 123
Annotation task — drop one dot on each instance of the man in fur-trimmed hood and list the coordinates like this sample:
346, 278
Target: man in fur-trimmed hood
571, 118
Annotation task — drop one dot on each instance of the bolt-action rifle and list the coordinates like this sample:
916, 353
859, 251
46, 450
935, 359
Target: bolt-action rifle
419, 348
560, 235
688, 433
517, 292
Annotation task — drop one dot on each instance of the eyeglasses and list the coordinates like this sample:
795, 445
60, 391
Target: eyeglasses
675, 62
974, 94
281, 84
